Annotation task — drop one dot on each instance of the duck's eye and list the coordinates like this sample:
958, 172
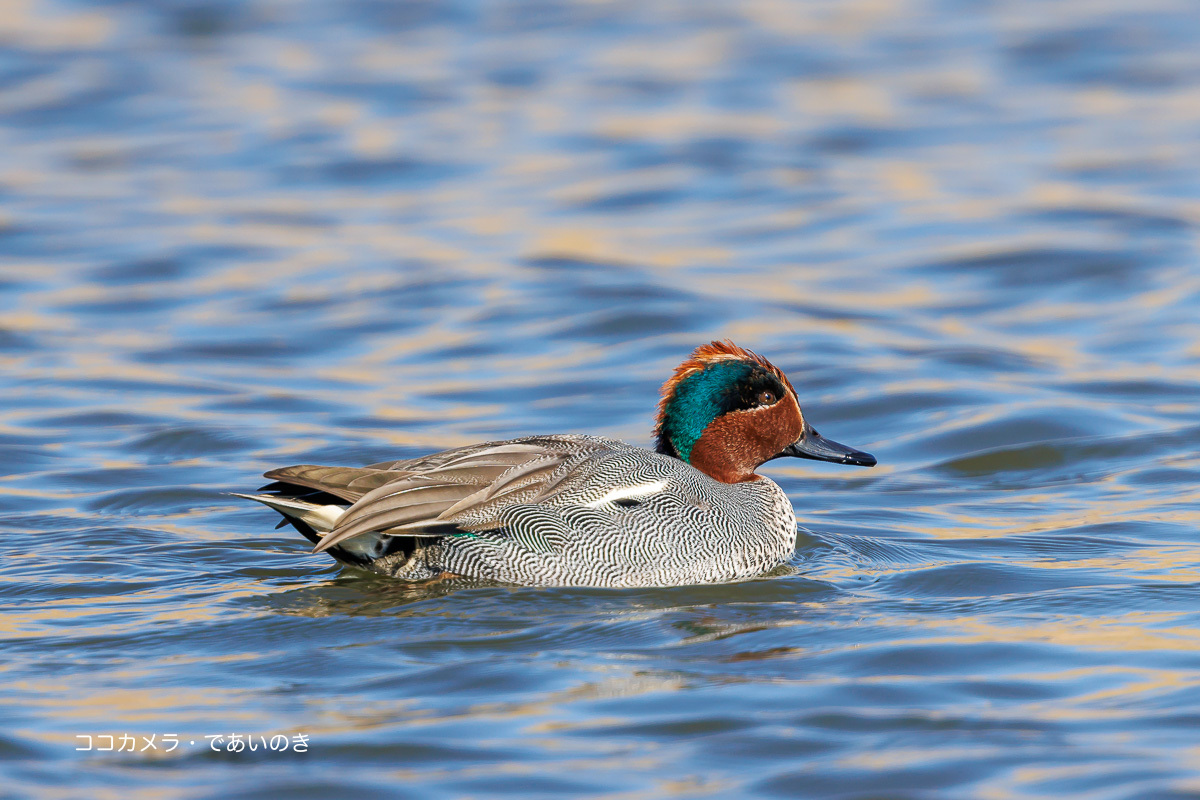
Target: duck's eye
766, 398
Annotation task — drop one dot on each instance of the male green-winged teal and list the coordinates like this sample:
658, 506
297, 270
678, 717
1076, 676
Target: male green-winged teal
582, 510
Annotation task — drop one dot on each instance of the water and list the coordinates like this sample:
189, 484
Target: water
237, 236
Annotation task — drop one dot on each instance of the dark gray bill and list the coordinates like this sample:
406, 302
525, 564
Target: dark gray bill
814, 445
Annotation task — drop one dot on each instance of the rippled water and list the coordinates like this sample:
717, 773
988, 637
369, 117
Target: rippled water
236, 236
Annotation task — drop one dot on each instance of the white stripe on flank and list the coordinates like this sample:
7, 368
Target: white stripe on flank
630, 493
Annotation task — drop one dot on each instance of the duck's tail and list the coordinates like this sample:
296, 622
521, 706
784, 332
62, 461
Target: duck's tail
320, 518
313, 520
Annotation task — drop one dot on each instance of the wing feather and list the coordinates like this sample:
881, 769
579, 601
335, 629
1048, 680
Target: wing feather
412, 514
466, 485
348, 483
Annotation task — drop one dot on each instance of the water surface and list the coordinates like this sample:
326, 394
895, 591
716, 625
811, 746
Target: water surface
241, 235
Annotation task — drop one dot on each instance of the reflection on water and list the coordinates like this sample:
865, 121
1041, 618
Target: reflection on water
235, 236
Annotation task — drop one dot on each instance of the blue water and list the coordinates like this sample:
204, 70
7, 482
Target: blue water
235, 236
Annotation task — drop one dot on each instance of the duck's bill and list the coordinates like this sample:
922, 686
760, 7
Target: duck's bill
813, 445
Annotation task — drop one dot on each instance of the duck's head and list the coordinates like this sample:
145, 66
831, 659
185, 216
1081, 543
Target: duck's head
728, 410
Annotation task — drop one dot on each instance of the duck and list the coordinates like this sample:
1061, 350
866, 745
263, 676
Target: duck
582, 510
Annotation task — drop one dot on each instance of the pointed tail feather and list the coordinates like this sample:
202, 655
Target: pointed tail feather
315, 521
321, 518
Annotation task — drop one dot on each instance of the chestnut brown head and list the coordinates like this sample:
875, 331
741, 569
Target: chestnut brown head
727, 410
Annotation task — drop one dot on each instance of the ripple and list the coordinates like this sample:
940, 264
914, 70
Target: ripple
144, 501
1067, 457
988, 580
1052, 269
190, 442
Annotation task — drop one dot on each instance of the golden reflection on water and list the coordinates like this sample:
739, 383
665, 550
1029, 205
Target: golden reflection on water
38, 26
1132, 632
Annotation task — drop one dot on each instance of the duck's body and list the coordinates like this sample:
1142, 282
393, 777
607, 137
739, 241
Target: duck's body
589, 512
573, 510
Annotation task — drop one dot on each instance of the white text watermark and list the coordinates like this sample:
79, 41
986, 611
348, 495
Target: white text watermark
217, 742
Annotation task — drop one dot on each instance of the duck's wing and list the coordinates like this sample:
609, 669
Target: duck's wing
345, 483
427, 496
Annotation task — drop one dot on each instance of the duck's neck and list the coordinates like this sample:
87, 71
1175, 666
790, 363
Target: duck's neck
727, 451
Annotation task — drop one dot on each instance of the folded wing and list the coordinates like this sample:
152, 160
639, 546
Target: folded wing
431, 496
